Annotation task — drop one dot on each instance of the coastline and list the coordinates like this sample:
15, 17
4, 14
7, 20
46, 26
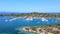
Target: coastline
33, 14
41, 29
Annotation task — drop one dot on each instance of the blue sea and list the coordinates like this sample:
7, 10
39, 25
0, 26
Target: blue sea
10, 27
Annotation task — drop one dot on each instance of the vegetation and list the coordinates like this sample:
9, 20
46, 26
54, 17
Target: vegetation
34, 29
57, 24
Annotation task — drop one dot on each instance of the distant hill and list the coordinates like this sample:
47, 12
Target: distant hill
33, 14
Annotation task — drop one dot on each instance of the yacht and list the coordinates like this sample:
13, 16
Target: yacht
29, 18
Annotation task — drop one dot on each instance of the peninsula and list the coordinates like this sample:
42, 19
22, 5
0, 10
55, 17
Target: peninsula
43, 29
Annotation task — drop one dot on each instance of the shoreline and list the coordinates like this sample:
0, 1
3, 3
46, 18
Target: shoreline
45, 29
34, 14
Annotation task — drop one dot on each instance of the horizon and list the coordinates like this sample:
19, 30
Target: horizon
26, 12
27, 6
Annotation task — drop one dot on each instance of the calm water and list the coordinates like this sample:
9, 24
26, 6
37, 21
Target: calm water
8, 25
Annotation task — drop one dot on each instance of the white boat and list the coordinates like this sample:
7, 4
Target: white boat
30, 19
43, 19
10, 20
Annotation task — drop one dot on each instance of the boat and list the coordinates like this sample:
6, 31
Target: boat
43, 19
29, 19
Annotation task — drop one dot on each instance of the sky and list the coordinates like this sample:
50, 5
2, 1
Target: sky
44, 6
